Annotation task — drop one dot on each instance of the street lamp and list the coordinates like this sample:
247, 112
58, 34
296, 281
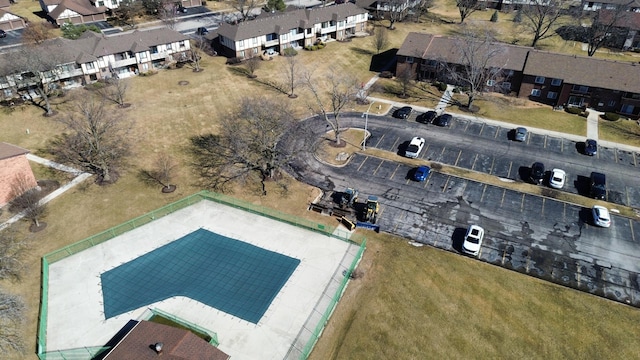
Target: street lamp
366, 120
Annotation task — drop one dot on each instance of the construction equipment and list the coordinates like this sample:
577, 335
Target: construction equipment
371, 210
348, 198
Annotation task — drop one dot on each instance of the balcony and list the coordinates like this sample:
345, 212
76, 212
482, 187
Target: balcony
125, 62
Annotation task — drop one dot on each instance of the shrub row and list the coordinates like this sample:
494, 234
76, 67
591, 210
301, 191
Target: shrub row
314, 47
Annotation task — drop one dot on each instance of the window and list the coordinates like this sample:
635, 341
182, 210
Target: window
432, 63
293, 32
154, 49
271, 37
580, 88
181, 43
143, 55
145, 67
627, 109
409, 60
540, 79
255, 51
491, 82
552, 95
242, 54
308, 32
89, 66
612, 103
556, 82
506, 85
168, 47
114, 2
100, 3
255, 41
535, 92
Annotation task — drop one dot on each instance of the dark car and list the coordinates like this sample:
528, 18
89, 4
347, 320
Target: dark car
427, 118
181, 9
443, 120
598, 186
421, 173
403, 112
520, 134
202, 31
537, 173
590, 147
2, 33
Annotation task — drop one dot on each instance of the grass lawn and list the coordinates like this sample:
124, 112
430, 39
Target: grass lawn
410, 299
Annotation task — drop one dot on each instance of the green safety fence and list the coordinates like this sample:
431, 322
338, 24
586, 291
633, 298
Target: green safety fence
306, 351
115, 231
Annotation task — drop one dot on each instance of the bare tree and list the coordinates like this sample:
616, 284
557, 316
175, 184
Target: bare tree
115, 91
162, 173
35, 71
342, 90
404, 78
292, 74
199, 46
479, 59
168, 13
245, 7
466, 8
126, 11
539, 16
97, 140
380, 39
12, 252
423, 8
252, 64
12, 318
37, 32
397, 11
247, 145
604, 28
27, 199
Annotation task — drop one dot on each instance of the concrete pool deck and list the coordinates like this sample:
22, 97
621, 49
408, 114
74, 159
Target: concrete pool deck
75, 302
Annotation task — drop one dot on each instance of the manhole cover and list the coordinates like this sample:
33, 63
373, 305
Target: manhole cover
183, 82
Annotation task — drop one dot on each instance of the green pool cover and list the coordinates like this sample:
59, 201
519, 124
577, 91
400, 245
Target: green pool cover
227, 274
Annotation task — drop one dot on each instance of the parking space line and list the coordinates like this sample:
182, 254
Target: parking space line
474, 162
493, 162
561, 145
424, 152
481, 129
394, 172
378, 143
483, 190
467, 126
458, 158
542, 211
509, 172
633, 155
362, 163
504, 192
522, 203
376, 170
615, 154
545, 141
444, 188
633, 237
394, 143
497, 132
626, 190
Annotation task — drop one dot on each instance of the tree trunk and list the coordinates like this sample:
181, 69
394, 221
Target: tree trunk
36, 222
47, 103
470, 102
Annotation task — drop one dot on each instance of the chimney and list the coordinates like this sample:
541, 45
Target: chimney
158, 348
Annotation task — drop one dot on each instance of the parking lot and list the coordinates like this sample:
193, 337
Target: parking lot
487, 148
535, 235
539, 236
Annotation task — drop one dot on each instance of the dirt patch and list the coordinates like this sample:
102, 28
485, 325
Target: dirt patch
183, 83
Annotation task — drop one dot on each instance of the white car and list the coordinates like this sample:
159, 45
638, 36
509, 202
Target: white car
556, 180
414, 148
601, 216
473, 240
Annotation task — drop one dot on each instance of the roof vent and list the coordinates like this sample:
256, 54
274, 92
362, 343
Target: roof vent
158, 348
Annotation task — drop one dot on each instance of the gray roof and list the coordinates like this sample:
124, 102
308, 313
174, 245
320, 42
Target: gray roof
281, 23
82, 7
582, 70
443, 48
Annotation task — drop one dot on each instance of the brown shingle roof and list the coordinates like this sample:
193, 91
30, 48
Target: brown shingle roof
82, 7
178, 344
9, 151
283, 22
443, 48
586, 71
4, 3
627, 19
